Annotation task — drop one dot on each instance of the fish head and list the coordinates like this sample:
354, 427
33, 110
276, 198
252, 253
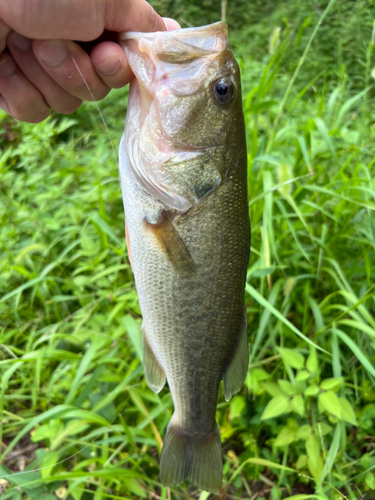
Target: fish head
184, 109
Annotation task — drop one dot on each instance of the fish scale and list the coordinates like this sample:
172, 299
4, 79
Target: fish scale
189, 260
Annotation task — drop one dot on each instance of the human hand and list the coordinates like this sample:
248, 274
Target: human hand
37, 71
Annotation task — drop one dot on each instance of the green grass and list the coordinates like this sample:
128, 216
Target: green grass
74, 402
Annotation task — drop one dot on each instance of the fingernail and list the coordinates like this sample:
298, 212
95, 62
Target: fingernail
171, 24
7, 66
52, 52
108, 66
20, 42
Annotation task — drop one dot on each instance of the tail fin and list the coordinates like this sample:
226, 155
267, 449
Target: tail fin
196, 458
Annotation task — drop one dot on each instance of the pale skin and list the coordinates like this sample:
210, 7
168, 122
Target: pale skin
38, 49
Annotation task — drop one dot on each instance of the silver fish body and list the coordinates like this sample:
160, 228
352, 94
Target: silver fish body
184, 184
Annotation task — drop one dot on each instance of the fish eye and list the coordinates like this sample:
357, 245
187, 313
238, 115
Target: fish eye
223, 90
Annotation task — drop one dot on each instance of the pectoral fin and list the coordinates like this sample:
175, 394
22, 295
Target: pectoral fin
235, 374
171, 243
154, 373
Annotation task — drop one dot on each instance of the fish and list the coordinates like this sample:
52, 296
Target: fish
183, 173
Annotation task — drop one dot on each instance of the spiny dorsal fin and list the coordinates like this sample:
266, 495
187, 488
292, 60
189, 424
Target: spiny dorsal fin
172, 243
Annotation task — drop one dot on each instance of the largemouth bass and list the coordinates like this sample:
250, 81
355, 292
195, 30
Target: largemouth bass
184, 184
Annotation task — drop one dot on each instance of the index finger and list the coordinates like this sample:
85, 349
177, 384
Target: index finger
78, 20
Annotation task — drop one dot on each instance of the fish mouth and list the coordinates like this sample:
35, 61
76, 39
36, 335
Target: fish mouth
174, 62
167, 66
210, 37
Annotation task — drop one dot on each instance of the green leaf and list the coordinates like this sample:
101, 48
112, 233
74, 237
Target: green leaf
77, 491
356, 351
49, 460
89, 246
331, 454
314, 461
302, 376
358, 325
108, 271
254, 379
315, 467
298, 404
277, 406
83, 367
325, 135
329, 402
285, 437
312, 361
312, 390
291, 357
286, 387
272, 389
134, 487
73, 427
134, 334
268, 463
347, 412
366, 460
304, 432
292, 424
313, 447
301, 462
332, 384
87, 415
258, 461
26, 285
24, 481
105, 228
322, 429
370, 480
260, 106
236, 406
258, 272
47, 431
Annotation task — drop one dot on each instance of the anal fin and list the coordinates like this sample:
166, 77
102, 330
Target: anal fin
171, 243
154, 373
235, 374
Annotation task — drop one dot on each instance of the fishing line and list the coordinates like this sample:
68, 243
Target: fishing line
97, 107
135, 385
